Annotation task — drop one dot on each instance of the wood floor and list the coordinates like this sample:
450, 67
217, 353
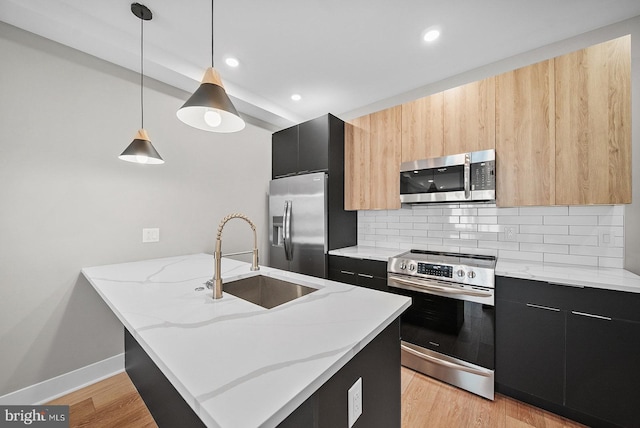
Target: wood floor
115, 403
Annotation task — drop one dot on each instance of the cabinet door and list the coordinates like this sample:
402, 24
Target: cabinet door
593, 125
422, 128
470, 117
357, 177
530, 349
372, 161
284, 152
602, 368
525, 136
313, 145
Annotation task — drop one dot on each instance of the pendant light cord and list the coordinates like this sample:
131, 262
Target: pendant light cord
142, 72
212, 34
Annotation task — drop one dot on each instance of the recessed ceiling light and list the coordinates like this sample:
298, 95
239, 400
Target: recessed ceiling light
296, 97
431, 35
232, 62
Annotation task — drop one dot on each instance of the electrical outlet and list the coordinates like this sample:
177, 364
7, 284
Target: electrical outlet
354, 396
510, 233
151, 235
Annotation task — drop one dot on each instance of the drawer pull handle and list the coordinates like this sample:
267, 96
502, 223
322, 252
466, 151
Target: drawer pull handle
365, 275
346, 272
584, 314
546, 308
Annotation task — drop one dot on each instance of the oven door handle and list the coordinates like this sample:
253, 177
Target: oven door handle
426, 286
444, 363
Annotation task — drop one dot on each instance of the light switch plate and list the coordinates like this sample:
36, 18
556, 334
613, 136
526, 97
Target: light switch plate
354, 395
151, 235
510, 233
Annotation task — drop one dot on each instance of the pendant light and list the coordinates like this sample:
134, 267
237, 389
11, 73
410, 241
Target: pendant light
141, 150
209, 108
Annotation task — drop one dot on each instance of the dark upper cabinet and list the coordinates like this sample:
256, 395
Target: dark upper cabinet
570, 350
284, 152
311, 146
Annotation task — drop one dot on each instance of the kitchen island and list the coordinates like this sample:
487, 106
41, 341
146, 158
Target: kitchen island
236, 364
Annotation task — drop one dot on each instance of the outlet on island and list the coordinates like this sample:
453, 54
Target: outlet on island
354, 396
151, 235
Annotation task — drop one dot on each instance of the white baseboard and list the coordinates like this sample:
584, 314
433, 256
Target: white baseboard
58, 386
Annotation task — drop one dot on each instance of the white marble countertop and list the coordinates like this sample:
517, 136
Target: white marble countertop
559, 273
364, 252
564, 274
235, 363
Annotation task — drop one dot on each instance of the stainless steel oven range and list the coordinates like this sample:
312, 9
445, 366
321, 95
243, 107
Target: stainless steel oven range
448, 331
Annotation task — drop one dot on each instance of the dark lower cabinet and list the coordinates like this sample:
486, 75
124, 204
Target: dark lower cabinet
377, 364
530, 349
365, 273
603, 368
573, 351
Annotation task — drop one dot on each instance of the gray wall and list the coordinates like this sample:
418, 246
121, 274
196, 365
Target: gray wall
630, 26
68, 202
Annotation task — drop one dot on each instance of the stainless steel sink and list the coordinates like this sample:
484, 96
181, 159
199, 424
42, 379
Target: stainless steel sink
266, 291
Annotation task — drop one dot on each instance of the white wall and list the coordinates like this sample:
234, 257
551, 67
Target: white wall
68, 202
631, 248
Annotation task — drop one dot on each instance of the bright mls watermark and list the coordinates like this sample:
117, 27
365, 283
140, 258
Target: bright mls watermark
34, 416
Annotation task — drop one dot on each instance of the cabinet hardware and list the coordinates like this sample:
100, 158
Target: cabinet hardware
531, 305
365, 275
346, 272
566, 285
600, 317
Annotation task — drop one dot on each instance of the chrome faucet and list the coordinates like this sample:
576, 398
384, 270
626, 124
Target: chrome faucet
216, 283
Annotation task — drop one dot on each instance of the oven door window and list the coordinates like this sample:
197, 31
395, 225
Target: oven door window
445, 179
461, 329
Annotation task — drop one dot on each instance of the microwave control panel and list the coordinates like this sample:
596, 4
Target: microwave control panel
483, 175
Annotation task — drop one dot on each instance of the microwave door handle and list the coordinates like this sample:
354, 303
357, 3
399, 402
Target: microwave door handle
467, 176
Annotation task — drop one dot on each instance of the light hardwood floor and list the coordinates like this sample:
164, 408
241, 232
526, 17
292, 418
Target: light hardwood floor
426, 402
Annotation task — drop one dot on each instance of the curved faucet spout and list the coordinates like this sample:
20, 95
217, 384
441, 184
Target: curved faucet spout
217, 255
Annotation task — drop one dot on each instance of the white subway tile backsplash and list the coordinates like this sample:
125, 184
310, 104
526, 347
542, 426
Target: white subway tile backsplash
571, 259
585, 235
520, 219
574, 220
545, 248
543, 211
543, 229
611, 220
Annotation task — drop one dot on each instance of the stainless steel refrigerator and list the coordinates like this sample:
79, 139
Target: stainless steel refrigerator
298, 220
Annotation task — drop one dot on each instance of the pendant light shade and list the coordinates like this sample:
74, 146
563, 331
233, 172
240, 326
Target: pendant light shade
209, 108
141, 150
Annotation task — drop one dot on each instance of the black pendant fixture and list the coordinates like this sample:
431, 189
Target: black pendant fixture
209, 108
141, 150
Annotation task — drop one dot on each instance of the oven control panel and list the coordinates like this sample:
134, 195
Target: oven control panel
435, 270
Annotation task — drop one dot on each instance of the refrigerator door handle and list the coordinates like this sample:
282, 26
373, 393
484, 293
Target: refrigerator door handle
286, 230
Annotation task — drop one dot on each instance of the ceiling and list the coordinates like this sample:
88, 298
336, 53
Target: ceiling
338, 55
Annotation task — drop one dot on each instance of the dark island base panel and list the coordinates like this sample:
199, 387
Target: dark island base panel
557, 409
378, 364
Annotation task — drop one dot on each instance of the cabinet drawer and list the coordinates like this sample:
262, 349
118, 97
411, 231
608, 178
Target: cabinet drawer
343, 263
374, 267
534, 292
607, 303
342, 275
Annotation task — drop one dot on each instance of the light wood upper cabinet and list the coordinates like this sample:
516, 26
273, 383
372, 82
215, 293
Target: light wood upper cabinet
525, 136
422, 128
593, 125
469, 117
373, 145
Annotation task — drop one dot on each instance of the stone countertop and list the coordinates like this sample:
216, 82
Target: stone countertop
574, 275
370, 253
559, 273
236, 363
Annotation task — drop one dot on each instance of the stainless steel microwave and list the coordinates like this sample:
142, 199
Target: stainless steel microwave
455, 178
